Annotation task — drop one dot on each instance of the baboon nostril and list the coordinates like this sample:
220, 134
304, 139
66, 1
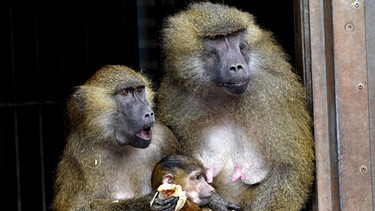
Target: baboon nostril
236, 68
150, 114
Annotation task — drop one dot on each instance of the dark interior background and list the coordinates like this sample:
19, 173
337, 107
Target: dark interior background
48, 47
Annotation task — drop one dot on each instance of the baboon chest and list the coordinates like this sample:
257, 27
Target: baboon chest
229, 150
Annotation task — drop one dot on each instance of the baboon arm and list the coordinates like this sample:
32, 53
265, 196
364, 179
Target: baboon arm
139, 203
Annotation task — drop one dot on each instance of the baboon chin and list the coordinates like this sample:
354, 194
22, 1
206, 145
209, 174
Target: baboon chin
231, 97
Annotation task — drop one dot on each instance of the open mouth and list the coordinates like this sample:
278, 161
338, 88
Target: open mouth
145, 133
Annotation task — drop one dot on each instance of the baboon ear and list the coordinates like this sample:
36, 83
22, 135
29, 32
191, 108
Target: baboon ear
78, 97
167, 179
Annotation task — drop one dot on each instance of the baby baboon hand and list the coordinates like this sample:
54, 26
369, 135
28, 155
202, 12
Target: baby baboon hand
168, 204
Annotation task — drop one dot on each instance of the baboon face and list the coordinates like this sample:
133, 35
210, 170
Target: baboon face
225, 58
135, 118
185, 171
115, 105
197, 188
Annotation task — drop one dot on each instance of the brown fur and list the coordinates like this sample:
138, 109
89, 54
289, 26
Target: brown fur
270, 118
94, 168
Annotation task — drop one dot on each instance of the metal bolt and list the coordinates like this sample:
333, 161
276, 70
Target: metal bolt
349, 27
356, 4
360, 86
363, 169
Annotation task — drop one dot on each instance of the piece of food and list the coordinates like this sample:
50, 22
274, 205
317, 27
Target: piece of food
165, 191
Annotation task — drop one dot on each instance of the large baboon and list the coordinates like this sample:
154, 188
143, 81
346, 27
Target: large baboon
113, 144
233, 100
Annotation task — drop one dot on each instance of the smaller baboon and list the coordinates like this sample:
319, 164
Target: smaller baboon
113, 144
189, 173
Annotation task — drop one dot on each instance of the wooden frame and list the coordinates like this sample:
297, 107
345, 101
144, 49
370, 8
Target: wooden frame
335, 41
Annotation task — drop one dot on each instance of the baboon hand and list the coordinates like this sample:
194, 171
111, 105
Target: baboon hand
235, 207
164, 204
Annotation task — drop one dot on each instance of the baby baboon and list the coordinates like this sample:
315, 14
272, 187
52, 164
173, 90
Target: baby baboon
189, 173
113, 144
231, 97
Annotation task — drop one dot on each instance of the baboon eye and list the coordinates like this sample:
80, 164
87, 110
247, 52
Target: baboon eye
236, 33
199, 177
140, 88
124, 92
